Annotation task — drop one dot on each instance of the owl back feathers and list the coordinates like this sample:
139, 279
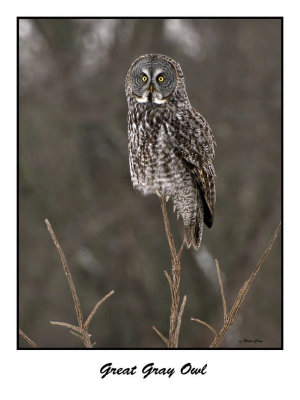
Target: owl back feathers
195, 148
206, 188
193, 232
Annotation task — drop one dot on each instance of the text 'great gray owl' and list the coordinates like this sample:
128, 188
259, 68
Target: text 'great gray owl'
171, 146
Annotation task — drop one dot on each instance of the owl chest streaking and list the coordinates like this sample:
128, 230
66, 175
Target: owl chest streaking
171, 146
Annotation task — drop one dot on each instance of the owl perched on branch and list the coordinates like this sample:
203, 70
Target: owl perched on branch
171, 146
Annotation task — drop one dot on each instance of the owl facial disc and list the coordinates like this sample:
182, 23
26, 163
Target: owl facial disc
152, 80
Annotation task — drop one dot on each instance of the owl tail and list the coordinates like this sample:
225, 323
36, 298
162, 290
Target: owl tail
193, 232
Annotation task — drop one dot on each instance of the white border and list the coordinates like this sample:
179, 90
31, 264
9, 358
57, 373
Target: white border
75, 374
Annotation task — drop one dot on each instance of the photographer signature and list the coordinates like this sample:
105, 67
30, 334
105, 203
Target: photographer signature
250, 341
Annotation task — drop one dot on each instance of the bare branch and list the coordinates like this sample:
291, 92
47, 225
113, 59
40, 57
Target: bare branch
66, 325
230, 318
243, 292
30, 341
177, 330
168, 231
68, 274
174, 282
163, 338
170, 284
93, 312
205, 324
84, 336
180, 250
222, 292
82, 327
168, 278
76, 334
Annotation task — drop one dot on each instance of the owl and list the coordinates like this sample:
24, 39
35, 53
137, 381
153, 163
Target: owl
171, 146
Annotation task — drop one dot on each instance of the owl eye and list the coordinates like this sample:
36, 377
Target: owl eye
160, 78
144, 78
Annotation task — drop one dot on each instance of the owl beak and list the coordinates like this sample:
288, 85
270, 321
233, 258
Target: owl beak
151, 88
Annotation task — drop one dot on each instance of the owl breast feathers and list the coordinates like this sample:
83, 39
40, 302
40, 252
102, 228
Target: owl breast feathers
171, 146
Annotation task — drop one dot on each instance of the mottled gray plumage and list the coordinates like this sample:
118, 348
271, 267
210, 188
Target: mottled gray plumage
171, 146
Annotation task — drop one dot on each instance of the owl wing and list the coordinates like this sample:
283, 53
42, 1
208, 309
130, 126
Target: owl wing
195, 147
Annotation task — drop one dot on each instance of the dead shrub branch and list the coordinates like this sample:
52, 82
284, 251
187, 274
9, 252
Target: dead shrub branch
174, 283
80, 331
230, 318
28, 340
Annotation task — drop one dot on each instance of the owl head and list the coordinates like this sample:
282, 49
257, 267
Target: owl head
155, 79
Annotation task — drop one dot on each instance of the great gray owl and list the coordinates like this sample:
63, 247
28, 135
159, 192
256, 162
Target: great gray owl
171, 146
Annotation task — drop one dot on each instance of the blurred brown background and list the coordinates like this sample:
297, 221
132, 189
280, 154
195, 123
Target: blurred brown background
73, 170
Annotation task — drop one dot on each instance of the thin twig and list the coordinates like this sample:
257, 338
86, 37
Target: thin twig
93, 312
205, 324
230, 318
76, 334
66, 325
82, 328
163, 338
179, 318
222, 292
68, 274
180, 251
30, 341
170, 283
243, 292
168, 230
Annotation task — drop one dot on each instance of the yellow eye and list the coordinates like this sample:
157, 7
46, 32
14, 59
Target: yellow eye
144, 78
160, 78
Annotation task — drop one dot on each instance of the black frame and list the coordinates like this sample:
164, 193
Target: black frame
282, 183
